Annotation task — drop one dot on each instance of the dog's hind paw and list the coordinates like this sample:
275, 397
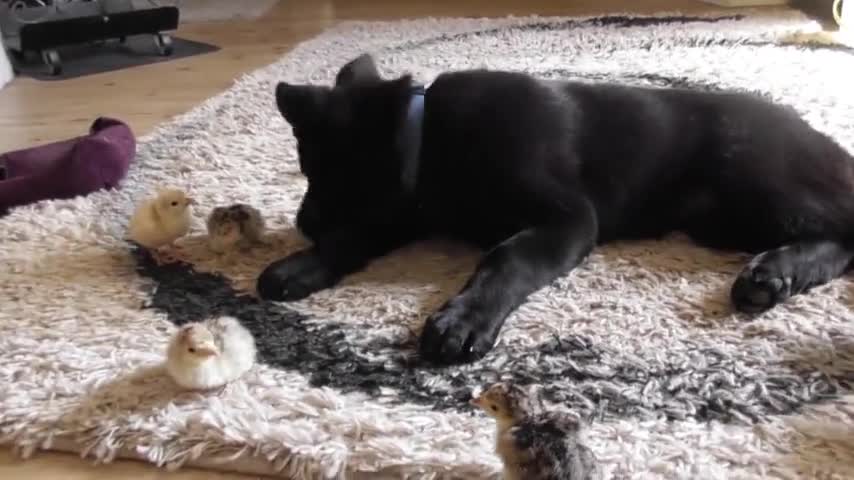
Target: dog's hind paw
758, 289
765, 282
774, 276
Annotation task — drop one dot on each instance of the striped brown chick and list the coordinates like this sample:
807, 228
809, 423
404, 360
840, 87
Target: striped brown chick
237, 225
533, 443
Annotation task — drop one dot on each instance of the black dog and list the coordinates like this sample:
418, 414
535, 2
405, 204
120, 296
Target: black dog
539, 172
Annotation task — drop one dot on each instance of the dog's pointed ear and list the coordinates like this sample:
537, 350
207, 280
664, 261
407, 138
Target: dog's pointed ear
301, 104
360, 70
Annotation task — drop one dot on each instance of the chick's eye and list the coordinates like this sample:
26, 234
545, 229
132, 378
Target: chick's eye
494, 408
174, 204
191, 350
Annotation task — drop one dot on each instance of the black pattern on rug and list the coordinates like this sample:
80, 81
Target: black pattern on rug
596, 383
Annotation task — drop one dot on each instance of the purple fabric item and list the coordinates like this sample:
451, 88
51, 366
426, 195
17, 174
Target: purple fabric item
69, 168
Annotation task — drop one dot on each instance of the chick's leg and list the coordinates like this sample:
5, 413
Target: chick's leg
168, 254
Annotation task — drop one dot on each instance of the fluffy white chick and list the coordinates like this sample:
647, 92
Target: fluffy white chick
210, 354
161, 220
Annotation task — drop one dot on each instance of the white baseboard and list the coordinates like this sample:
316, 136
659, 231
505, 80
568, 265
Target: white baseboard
6, 72
846, 27
746, 3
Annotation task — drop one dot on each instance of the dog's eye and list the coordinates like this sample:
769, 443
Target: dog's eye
191, 350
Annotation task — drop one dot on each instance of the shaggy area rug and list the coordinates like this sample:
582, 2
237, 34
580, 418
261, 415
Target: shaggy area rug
640, 339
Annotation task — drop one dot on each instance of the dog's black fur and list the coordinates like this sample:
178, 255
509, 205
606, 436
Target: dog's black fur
539, 172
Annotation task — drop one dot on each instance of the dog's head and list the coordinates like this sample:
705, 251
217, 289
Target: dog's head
346, 136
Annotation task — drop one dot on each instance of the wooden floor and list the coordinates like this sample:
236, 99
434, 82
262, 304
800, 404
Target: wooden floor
33, 112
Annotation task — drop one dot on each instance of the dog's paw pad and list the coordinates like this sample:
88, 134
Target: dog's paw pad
757, 289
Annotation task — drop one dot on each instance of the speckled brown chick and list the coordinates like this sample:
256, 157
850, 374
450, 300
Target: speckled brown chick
234, 225
535, 444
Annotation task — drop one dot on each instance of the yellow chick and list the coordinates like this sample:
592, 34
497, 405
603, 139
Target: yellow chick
535, 444
211, 354
159, 221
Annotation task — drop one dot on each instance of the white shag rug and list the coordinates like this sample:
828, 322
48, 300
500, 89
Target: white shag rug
641, 338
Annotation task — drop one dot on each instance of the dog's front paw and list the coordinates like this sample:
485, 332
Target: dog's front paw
294, 277
455, 334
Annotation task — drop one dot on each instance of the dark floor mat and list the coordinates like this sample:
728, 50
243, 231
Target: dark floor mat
100, 57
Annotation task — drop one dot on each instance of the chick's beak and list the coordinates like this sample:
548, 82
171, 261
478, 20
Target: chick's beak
191, 201
207, 350
475, 401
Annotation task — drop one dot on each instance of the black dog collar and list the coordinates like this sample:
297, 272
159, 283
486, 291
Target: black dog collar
410, 140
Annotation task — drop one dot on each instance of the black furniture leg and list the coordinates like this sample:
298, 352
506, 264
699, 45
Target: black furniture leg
52, 61
164, 44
